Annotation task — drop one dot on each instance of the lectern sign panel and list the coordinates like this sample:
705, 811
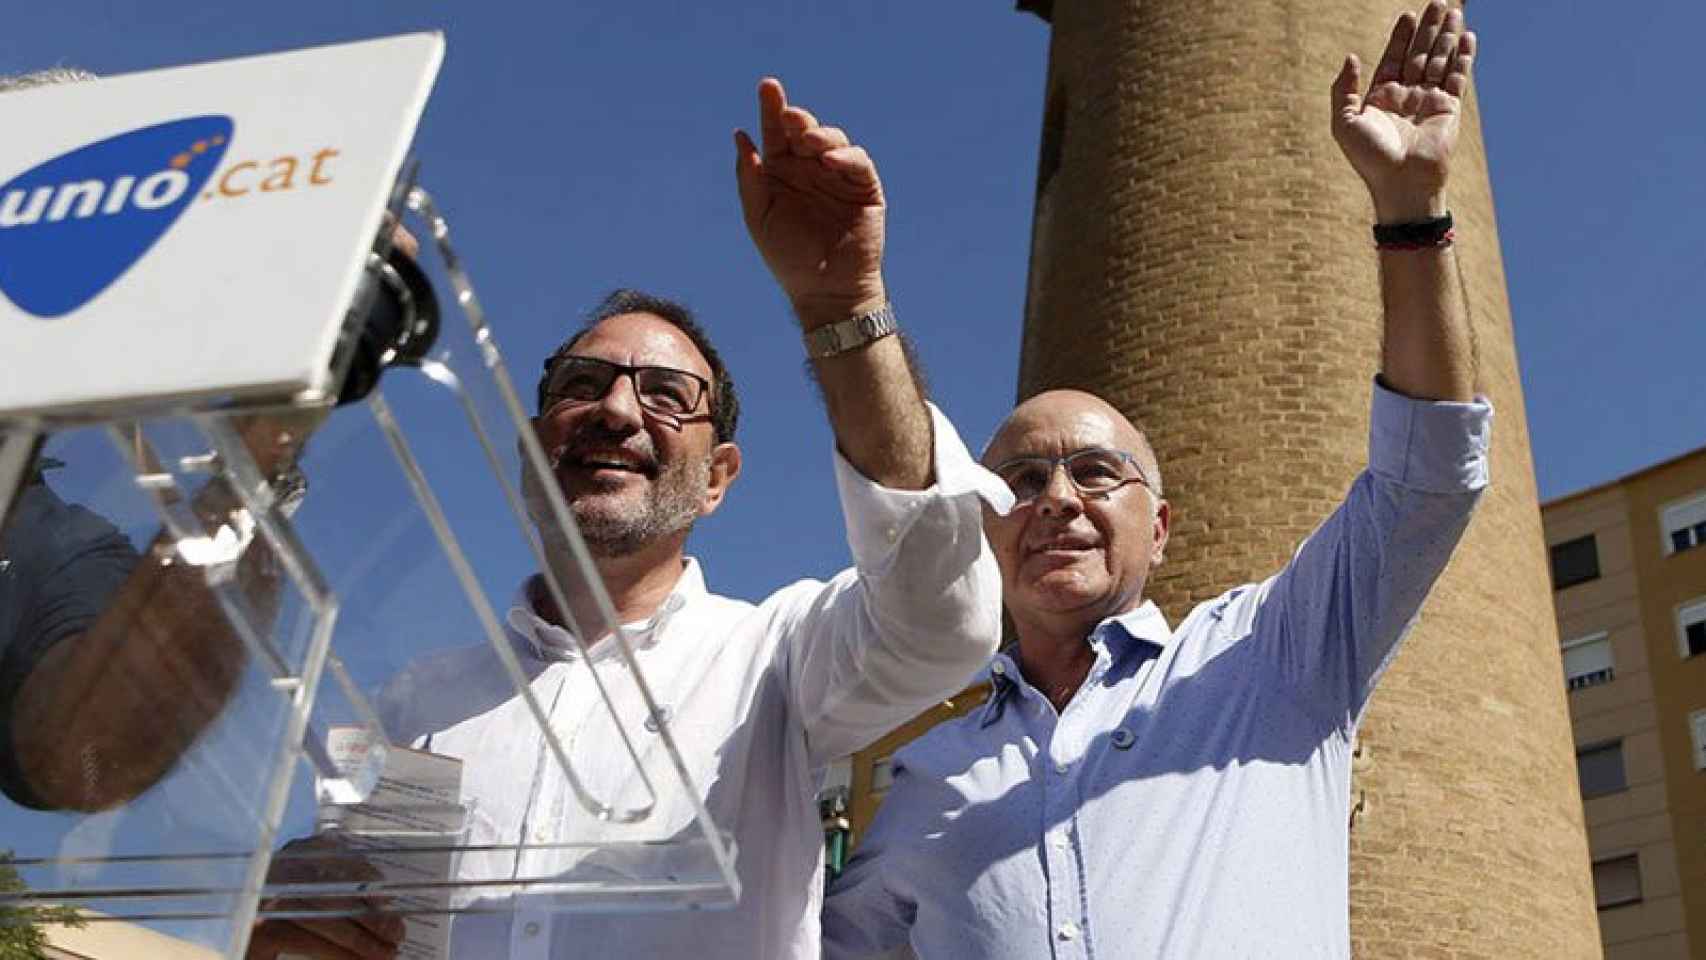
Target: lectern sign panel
198, 231
73, 225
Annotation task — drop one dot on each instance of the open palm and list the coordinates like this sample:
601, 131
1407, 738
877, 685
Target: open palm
1400, 135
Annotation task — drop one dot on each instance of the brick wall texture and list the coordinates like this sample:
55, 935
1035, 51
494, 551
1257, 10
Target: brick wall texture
1201, 258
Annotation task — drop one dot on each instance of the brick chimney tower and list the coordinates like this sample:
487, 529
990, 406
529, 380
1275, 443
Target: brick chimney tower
1201, 258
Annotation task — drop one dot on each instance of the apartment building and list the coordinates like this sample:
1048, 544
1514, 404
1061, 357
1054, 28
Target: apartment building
1628, 562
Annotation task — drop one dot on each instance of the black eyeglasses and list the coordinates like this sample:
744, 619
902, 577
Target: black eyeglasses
662, 390
1094, 472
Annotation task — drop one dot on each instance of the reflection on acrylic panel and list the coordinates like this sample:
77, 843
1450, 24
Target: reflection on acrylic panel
420, 558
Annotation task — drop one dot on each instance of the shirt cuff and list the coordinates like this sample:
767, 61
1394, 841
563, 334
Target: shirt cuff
1435, 446
878, 518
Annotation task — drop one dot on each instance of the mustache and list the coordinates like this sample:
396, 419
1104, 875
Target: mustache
595, 437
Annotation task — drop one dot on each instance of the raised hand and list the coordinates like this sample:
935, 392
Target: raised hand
814, 207
1399, 135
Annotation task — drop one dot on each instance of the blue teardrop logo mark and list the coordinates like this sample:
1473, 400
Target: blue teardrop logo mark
73, 225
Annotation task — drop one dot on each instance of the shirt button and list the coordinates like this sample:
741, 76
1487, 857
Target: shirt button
1062, 841
893, 533
531, 929
998, 668
1060, 766
1122, 739
1067, 931
655, 721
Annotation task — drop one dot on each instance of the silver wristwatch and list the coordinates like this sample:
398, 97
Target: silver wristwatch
845, 335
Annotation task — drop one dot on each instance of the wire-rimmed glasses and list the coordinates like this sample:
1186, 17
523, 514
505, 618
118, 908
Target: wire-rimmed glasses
1093, 472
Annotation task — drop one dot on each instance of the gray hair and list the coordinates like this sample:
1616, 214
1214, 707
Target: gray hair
44, 78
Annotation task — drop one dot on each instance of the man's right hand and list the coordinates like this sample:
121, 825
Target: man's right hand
1399, 135
369, 934
815, 209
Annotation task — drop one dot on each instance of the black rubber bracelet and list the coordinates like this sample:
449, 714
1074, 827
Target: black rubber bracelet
1420, 233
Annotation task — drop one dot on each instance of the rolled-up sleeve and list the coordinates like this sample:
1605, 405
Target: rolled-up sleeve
916, 616
1433, 446
1355, 586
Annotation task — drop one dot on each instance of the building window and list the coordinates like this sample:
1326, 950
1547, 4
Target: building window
1684, 524
1600, 769
1575, 561
1587, 661
1691, 628
1697, 730
1617, 881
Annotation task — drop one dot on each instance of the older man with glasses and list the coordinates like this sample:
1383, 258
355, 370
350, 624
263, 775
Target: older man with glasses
1132, 789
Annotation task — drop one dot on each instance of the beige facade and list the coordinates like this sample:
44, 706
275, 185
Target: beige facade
1637, 697
105, 939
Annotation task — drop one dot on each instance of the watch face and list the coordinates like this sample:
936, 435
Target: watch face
871, 325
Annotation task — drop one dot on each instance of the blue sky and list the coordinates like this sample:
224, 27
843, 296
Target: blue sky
579, 147
582, 146
1598, 180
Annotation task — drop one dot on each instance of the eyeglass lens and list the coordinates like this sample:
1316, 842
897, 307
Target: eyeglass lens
662, 389
1092, 471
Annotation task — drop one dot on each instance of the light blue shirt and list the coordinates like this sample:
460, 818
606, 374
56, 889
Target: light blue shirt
1192, 800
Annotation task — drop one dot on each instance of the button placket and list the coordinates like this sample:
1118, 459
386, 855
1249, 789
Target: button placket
1057, 871
570, 709
1066, 890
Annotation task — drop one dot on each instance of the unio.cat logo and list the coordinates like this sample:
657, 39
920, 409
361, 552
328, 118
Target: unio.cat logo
71, 226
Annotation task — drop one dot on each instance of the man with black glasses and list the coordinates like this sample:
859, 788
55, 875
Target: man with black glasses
637, 414
1132, 789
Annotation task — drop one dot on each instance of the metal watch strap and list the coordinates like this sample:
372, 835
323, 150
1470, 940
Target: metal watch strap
854, 332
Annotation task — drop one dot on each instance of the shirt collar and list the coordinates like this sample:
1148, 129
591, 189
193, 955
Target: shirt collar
1146, 624
1120, 635
547, 641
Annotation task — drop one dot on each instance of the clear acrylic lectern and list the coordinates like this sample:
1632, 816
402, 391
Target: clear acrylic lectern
239, 619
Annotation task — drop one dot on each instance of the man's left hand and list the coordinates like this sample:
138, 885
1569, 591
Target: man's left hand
814, 207
1399, 136
367, 933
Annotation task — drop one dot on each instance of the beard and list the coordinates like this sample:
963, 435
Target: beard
615, 526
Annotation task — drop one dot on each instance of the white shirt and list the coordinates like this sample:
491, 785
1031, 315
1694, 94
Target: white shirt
759, 698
